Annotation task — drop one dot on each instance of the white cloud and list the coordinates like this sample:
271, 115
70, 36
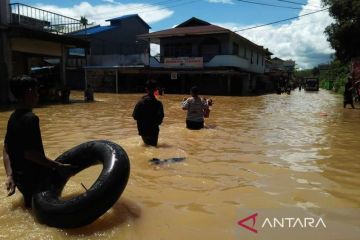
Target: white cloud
221, 1
110, 9
302, 40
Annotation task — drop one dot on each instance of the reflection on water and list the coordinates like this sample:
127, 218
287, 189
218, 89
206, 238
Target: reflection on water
273, 151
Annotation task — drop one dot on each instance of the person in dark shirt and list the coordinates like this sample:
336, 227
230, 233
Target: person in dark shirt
348, 98
89, 94
24, 158
149, 114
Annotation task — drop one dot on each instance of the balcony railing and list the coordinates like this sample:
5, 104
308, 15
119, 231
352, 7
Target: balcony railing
36, 18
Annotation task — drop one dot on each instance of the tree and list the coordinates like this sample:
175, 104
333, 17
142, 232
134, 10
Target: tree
315, 71
83, 21
344, 34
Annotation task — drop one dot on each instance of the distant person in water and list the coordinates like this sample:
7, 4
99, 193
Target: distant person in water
348, 98
195, 107
24, 158
89, 94
149, 114
65, 95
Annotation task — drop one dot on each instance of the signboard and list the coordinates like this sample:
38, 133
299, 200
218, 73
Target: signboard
184, 62
355, 69
174, 76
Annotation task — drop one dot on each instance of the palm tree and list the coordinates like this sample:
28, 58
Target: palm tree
83, 21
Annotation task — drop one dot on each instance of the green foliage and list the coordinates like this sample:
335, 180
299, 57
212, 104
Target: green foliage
303, 73
344, 34
83, 21
335, 76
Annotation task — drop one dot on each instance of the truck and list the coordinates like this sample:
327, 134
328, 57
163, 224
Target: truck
311, 84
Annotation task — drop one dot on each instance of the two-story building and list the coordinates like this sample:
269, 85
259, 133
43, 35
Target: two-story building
280, 71
216, 59
114, 50
28, 37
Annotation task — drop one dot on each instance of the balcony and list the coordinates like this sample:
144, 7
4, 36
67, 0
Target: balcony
39, 19
217, 61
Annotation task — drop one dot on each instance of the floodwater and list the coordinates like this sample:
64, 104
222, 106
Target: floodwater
297, 152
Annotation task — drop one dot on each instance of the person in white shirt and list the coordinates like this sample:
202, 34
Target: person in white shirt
195, 107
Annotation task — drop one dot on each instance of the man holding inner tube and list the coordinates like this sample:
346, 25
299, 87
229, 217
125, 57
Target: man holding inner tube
24, 158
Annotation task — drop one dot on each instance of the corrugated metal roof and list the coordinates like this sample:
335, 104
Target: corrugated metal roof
183, 31
193, 22
93, 30
128, 16
191, 31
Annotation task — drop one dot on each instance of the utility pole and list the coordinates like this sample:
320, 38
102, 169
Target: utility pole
5, 52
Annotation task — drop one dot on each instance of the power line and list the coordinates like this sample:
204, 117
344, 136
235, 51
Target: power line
283, 20
173, 6
297, 3
267, 4
278, 6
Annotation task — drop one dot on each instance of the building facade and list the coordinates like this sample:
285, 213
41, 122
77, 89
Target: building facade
113, 49
216, 59
31, 35
116, 44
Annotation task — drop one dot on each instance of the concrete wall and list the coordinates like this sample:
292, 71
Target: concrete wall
5, 53
4, 12
120, 40
227, 57
35, 46
117, 60
255, 55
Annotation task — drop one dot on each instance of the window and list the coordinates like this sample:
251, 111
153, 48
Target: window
209, 48
257, 58
244, 52
235, 49
178, 50
251, 57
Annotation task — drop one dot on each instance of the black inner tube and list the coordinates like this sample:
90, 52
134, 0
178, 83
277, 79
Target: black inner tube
87, 207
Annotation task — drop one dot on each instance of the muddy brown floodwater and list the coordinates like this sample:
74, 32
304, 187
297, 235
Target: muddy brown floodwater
296, 153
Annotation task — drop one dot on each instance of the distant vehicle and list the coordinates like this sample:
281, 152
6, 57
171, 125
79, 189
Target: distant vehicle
311, 84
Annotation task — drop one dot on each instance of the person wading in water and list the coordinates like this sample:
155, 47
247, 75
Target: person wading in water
24, 158
149, 114
195, 107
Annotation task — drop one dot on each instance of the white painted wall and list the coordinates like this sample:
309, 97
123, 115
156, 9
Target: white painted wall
118, 60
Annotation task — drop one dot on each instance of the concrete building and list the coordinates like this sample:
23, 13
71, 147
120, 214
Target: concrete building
113, 49
28, 37
116, 44
216, 59
280, 71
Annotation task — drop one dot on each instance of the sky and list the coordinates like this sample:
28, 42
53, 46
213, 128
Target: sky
301, 39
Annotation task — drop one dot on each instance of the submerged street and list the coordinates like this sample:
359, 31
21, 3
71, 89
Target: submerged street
265, 152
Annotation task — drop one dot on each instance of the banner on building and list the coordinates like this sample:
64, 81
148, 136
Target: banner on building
184, 62
174, 76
